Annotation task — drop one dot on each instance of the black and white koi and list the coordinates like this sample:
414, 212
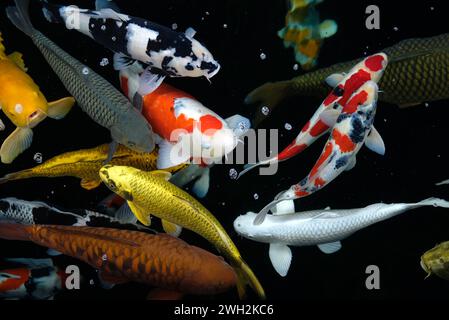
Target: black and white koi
165, 51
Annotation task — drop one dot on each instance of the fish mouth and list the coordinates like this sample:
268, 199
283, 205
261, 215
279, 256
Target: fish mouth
34, 115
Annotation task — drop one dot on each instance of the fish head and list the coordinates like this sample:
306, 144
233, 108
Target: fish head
134, 132
213, 276
118, 179
201, 62
25, 108
244, 226
13, 279
370, 68
436, 260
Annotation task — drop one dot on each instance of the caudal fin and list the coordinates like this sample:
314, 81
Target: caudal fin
247, 277
435, 202
19, 16
16, 176
269, 95
13, 231
250, 166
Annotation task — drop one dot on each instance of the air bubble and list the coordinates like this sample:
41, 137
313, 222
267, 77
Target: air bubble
174, 26
85, 70
288, 126
103, 27
256, 196
295, 67
104, 62
265, 110
263, 56
233, 174
38, 157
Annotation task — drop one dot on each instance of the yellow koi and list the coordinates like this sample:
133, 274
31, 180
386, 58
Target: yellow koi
24, 104
150, 192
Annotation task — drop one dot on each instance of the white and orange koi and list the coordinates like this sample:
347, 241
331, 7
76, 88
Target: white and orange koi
370, 69
353, 129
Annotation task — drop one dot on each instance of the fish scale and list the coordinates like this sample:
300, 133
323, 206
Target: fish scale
418, 72
96, 96
85, 164
149, 252
421, 77
149, 192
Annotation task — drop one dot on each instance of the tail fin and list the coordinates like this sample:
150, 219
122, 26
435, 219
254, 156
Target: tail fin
250, 166
440, 203
17, 176
19, 16
247, 277
442, 183
269, 95
13, 231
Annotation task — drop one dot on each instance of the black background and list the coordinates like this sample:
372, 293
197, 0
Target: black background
415, 139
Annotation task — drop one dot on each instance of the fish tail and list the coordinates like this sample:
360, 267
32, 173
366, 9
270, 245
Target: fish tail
17, 176
13, 231
247, 277
20, 17
250, 166
435, 202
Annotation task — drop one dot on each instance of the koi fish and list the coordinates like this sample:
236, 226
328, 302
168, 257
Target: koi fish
352, 130
97, 97
85, 164
181, 122
369, 69
40, 213
165, 51
322, 228
150, 192
123, 256
32, 279
304, 32
436, 261
24, 104
428, 57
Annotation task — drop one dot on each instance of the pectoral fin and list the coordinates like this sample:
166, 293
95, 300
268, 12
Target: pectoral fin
284, 207
334, 79
125, 215
329, 248
59, 109
149, 82
281, 258
374, 142
90, 184
161, 174
171, 228
15, 144
17, 58
142, 216
351, 164
201, 186
172, 155
2, 125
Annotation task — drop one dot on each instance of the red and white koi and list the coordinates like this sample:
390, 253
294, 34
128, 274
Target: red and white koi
35, 279
370, 69
353, 129
184, 124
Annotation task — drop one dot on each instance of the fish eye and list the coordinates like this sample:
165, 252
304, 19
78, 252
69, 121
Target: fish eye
338, 91
131, 144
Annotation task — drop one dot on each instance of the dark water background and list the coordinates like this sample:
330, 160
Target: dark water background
416, 141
